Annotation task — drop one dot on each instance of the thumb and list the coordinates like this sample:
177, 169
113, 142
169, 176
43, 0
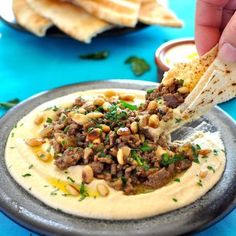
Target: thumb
227, 45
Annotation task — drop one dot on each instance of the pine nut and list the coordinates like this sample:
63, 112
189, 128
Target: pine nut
183, 90
106, 106
126, 151
134, 127
168, 82
98, 102
153, 121
72, 190
81, 110
95, 115
105, 128
120, 157
152, 106
102, 190
127, 97
39, 120
110, 93
143, 121
87, 174
34, 142
78, 118
123, 131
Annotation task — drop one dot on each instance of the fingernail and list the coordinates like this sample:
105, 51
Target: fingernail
227, 53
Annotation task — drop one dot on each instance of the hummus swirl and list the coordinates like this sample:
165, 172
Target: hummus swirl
47, 183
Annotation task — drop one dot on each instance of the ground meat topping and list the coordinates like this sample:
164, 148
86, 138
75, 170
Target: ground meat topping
111, 138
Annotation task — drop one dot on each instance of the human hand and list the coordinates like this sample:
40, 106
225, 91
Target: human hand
216, 23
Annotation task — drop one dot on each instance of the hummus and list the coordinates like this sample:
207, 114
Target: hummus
47, 183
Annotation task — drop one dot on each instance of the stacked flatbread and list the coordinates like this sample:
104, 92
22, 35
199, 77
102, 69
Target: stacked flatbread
84, 19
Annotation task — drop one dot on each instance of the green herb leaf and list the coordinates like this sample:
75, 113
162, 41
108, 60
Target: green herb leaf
139, 160
178, 120
167, 160
9, 104
150, 91
139, 66
177, 180
49, 120
174, 199
83, 192
129, 106
95, 56
31, 166
211, 168
215, 152
69, 178
195, 155
114, 115
146, 148
26, 175
199, 183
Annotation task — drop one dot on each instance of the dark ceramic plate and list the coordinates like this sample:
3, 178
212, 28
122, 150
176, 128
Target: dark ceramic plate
26, 210
7, 16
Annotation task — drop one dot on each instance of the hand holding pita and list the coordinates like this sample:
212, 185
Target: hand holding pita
216, 23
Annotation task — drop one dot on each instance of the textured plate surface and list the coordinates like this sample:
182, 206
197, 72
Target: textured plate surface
33, 214
7, 16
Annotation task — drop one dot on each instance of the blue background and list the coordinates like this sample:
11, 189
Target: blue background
29, 65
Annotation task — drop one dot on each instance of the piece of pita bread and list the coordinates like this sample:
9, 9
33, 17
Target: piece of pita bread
216, 86
118, 12
153, 12
29, 19
71, 19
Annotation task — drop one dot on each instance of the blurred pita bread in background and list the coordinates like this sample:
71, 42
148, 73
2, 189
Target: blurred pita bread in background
71, 19
154, 12
29, 19
118, 12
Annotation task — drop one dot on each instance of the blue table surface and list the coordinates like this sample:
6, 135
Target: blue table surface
29, 65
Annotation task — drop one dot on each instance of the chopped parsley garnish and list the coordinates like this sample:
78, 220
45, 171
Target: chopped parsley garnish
48, 149
49, 120
167, 160
139, 160
198, 147
146, 148
211, 168
9, 104
177, 180
31, 166
129, 106
12, 135
54, 192
83, 192
66, 129
195, 155
178, 120
215, 152
26, 175
139, 66
150, 91
90, 145
174, 199
41, 155
69, 178
114, 115
55, 108
199, 183
95, 56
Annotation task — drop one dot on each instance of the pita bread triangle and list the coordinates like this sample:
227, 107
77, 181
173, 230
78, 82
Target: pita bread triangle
118, 12
30, 19
71, 19
153, 12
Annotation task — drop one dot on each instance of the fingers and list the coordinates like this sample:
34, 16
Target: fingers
227, 45
208, 23
228, 12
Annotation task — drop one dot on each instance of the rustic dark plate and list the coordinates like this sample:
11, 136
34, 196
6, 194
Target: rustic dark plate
7, 16
26, 210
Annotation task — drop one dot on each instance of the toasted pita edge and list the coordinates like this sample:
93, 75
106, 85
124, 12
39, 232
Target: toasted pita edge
29, 19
